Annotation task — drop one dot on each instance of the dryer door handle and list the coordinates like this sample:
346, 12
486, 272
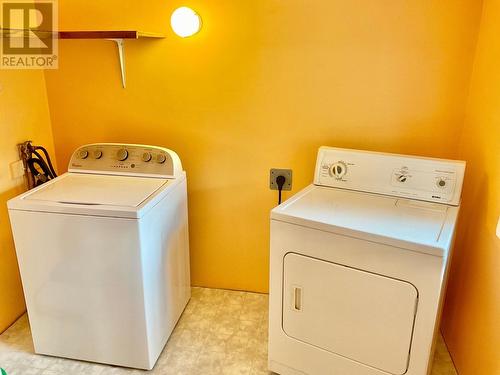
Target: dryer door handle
297, 298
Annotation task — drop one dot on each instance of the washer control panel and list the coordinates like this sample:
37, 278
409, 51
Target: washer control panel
126, 159
429, 179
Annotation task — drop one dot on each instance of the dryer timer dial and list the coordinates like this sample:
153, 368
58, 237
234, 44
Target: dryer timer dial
441, 183
338, 170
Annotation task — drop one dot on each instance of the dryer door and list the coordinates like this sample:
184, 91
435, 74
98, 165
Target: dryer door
360, 315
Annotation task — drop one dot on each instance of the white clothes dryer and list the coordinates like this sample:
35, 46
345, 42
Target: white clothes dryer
359, 262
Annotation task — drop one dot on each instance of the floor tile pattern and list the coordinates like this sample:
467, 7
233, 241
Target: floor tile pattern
221, 332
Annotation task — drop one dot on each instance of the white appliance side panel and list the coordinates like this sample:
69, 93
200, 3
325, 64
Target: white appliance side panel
359, 315
82, 282
165, 263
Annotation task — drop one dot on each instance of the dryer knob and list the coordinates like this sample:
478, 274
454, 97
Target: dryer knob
441, 183
147, 157
338, 170
122, 154
84, 154
97, 154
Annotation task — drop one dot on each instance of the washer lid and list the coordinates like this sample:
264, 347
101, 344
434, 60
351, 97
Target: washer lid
89, 189
421, 226
96, 195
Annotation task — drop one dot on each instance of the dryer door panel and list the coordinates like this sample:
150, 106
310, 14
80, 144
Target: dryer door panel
356, 314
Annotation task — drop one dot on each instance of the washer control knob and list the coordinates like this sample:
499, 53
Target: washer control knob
338, 170
84, 154
97, 154
147, 157
122, 154
160, 158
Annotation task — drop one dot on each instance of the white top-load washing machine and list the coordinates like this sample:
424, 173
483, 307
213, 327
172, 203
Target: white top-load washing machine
359, 262
104, 254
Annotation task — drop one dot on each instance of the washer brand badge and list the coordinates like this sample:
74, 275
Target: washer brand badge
29, 35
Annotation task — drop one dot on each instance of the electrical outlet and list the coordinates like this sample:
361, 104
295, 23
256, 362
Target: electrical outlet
16, 169
274, 172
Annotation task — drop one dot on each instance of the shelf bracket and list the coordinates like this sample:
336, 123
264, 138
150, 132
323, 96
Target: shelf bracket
120, 45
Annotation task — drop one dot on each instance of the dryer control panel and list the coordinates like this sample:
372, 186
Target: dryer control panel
429, 179
126, 159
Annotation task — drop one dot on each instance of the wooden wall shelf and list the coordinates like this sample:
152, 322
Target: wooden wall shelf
123, 34
83, 34
117, 36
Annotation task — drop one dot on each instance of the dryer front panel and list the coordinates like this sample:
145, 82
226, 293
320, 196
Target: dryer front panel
362, 316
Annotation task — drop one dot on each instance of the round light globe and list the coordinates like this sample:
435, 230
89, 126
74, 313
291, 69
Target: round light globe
185, 22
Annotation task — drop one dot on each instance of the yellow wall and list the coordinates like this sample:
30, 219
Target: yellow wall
24, 115
471, 320
263, 85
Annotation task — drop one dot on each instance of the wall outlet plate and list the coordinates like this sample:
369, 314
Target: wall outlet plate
16, 169
275, 172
